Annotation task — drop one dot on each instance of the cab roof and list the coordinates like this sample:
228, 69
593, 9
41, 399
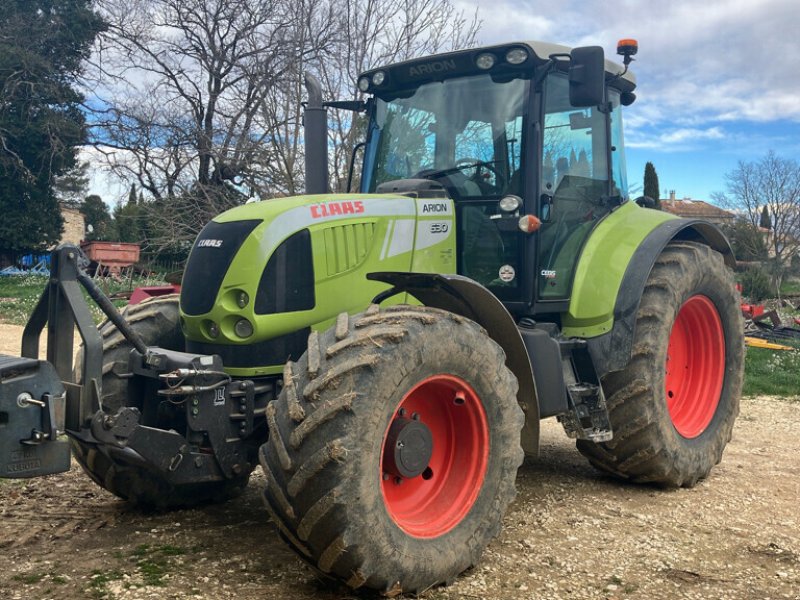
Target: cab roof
437, 67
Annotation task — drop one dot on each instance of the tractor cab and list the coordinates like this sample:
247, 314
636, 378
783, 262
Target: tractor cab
523, 137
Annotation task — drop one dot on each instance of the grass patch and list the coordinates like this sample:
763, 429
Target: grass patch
28, 578
790, 287
19, 295
100, 580
772, 372
155, 562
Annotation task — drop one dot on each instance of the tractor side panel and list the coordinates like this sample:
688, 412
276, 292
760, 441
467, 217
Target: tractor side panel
602, 266
305, 262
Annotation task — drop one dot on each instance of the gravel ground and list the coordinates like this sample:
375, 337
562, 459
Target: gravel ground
571, 533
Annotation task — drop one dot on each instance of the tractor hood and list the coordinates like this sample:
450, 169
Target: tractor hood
260, 276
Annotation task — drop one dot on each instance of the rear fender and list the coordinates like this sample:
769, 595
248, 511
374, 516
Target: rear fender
612, 351
465, 297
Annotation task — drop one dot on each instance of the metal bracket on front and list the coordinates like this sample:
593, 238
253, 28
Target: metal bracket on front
52, 408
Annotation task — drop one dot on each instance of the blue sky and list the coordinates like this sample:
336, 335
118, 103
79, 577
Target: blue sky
718, 80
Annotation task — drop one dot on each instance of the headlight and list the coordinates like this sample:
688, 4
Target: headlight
517, 56
213, 329
485, 61
243, 328
363, 84
242, 299
378, 78
510, 203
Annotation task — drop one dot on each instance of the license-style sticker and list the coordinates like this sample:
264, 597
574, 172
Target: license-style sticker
507, 273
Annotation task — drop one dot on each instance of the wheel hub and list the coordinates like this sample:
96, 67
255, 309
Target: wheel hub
409, 447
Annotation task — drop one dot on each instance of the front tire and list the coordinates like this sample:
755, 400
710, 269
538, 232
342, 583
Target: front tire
672, 408
354, 482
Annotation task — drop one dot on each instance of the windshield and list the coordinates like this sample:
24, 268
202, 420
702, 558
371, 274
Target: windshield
465, 133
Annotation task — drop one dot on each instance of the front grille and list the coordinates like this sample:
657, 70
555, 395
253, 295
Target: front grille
346, 246
208, 263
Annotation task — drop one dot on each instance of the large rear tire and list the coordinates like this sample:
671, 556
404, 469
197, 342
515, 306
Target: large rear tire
393, 448
157, 321
673, 407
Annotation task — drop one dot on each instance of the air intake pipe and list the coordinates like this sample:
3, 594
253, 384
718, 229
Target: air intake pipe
315, 122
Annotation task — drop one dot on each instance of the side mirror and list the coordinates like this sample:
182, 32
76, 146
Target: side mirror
587, 76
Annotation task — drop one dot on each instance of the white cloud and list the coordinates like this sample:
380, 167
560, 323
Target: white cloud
719, 61
676, 139
109, 188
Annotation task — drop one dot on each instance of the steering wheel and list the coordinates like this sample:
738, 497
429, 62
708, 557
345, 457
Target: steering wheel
468, 162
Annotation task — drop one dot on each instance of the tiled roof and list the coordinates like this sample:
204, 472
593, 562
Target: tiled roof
696, 209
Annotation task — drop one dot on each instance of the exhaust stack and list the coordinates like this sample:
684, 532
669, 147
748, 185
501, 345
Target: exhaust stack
315, 122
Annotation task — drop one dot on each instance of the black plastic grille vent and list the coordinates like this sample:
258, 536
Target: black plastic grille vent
287, 283
211, 255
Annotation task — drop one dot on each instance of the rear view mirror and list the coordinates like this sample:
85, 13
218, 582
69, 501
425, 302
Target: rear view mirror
587, 76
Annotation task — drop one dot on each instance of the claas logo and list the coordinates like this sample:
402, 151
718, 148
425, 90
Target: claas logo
330, 209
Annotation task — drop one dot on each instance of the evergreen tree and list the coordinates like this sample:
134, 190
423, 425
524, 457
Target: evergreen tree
42, 46
128, 222
95, 213
651, 187
132, 195
765, 221
71, 186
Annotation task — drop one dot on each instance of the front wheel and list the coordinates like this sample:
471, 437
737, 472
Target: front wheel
393, 448
672, 408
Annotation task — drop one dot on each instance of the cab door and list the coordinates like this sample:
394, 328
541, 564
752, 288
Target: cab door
574, 189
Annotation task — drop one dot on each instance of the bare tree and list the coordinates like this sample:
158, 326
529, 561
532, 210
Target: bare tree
380, 32
184, 83
369, 33
199, 101
773, 182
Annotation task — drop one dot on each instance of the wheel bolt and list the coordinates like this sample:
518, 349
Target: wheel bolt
415, 416
402, 412
386, 477
398, 480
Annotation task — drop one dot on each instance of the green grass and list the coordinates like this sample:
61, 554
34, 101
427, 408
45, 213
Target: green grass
28, 578
772, 372
19, 295
790, 287
99, 583
155, 562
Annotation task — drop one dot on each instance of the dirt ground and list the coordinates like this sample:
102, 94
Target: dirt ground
571, 533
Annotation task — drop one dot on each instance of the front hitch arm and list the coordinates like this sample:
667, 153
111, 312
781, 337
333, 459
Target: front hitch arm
61, 308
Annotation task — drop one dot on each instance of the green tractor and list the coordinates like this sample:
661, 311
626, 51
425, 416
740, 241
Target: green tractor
387, 355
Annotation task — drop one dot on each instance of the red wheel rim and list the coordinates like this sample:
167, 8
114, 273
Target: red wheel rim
433, 503
695, 366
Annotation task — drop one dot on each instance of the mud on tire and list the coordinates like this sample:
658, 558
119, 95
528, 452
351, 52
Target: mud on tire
673, 407
156, 320
328, 489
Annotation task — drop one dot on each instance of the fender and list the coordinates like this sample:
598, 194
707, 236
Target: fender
465, 297
612, 351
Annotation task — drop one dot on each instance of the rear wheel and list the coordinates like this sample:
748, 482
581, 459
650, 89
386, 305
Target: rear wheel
393, 448
673, 407
156, 320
